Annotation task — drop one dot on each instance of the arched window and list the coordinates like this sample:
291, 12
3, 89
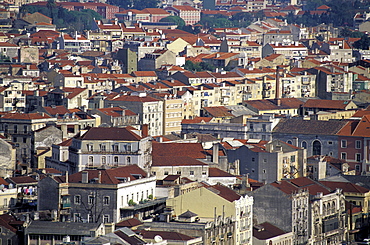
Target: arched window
103, 160
316, 148
304, 144
289, 142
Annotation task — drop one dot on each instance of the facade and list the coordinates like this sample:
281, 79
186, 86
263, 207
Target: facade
268, 162
318, 137
149, 109
19, 127
314, 213
111, 147
225, 202
189, 14
96, 196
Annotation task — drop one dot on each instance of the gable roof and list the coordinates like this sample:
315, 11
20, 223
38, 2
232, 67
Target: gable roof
327, 104
266, 231
300, 126
345, 186
224, 192
110, 133
108, 176
193, 150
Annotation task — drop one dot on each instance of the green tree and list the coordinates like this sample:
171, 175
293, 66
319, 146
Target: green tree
174, 19
363, 43
142, 4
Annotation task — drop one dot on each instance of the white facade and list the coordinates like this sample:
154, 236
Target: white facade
244, 220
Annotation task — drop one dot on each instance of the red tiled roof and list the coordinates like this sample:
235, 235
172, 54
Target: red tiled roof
111, 133
24, 116
216, 172
196, 120
108, 176
194, 150
345, 186
224, 192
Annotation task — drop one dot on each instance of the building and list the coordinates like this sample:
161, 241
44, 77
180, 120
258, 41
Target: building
267, 162
218, 200
149, 109
98, 196
189, 14
318, 137
57, 232
312, 212
266, 233
108, 147
20, 127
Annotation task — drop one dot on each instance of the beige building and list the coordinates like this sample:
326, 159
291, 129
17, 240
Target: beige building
218, 200
172, 112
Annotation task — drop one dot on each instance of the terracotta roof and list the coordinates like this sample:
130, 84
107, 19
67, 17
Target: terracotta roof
24, 116
266, 231
300, 126
326, 104
218, 111
196, 120
61, 110
359, 128
345, 186
193, 150
110, 133
216, 172
109, 176
22, 180
129, 223
135, 98
224, 192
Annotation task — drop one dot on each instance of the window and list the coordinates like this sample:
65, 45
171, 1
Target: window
106, 218
165, 172
251, 127
330, 142
191, 172
304, 144
343, 144
264, 171
358, 157
128, 160
25, 130
343, 155
90, 199
115, 161
24, 140
178, 172
77, 199
115, 147
106, 200
102, 147
90, 218
103, 160
292, 158
289, 142
358, 144
253, 159
91, 160
77, 217
204, 173
15, 129
9, 242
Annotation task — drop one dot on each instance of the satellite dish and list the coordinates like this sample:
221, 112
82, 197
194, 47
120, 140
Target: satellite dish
158, 238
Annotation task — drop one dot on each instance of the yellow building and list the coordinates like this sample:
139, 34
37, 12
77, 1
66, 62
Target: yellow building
172, 113
218, 200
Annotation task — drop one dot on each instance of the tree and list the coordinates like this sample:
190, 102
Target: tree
363, 43
174, 19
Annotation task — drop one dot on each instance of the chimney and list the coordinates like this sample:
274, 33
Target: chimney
215, 150
145, 130
99, 177
85, 177
277, 87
